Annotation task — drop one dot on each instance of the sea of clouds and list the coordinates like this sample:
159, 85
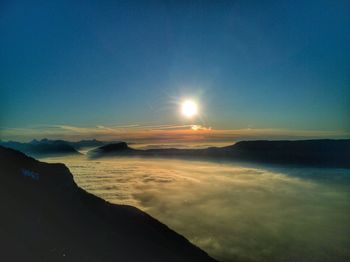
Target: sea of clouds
235, 212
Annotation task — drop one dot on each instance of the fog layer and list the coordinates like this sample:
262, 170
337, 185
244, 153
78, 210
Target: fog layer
234, 212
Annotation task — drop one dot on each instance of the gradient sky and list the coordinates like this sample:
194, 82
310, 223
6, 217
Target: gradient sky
281, 65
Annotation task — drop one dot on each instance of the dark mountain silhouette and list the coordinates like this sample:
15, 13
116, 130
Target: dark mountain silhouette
86, 143
323, 153
47, 217
115, 147
42, 148
76, 144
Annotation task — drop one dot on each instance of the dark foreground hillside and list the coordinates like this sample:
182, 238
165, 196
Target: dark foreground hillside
45, 216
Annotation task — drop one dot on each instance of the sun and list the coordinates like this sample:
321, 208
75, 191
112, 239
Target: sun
189, 108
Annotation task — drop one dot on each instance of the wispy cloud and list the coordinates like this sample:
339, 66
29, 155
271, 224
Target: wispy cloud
161, 133
199, 127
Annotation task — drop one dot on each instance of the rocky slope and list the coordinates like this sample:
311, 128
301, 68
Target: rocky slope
45, 216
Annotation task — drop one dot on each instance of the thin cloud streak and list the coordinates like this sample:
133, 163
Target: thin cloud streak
160, 133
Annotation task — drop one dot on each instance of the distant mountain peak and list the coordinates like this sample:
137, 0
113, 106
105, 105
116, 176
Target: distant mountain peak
114, 147
34, 141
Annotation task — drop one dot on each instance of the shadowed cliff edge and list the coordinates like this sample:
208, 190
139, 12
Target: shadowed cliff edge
47, 217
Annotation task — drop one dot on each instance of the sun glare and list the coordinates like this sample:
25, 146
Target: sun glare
189, 108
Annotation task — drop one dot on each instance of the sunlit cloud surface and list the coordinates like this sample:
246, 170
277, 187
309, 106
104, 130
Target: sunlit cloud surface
236, 213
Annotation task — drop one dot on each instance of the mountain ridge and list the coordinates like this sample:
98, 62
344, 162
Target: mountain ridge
318, 152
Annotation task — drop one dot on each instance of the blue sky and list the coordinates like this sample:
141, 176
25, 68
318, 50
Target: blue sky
250, 64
